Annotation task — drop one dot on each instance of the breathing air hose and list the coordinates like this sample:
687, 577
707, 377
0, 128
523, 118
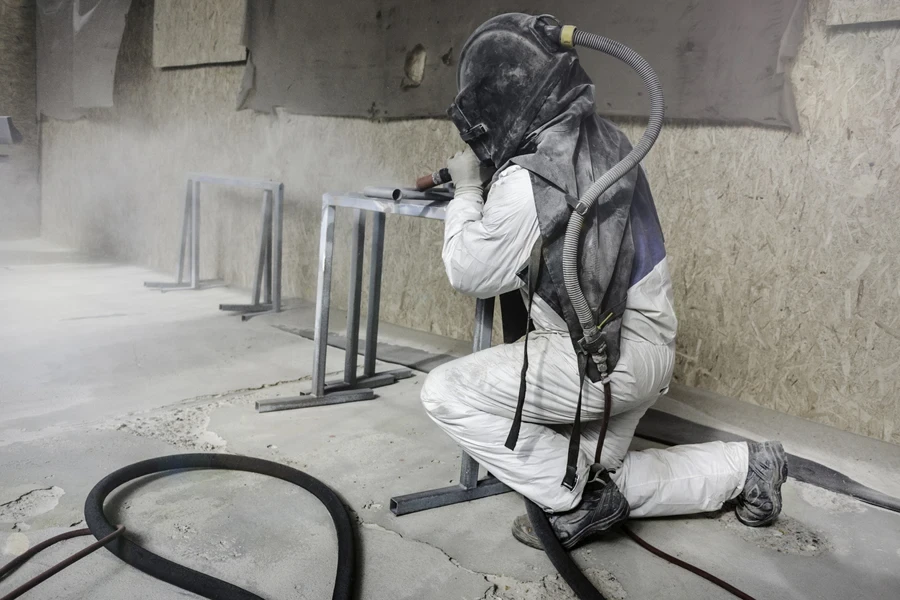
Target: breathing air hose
570, 37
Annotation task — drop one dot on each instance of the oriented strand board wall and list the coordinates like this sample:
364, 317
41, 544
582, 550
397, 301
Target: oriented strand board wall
784, 246
181, 32
19, 191
849, 12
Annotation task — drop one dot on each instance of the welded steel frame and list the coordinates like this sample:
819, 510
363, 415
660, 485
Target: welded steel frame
353, 388
470, 487
266, 295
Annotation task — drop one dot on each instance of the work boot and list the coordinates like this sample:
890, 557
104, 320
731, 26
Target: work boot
602, 507
760, 502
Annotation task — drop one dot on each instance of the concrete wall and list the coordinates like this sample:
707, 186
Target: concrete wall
19, 191
784, 246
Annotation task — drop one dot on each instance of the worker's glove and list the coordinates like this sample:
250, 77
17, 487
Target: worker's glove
467, 173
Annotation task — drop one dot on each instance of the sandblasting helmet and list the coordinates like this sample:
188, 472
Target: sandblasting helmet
507, 67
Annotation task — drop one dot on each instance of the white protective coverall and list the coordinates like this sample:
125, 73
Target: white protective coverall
473, 399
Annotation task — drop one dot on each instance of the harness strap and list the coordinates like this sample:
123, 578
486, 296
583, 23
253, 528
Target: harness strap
571, 477
607, 408
534, 269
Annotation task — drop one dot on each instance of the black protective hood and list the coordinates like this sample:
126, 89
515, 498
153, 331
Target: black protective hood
567, 148
524, 99
507, 68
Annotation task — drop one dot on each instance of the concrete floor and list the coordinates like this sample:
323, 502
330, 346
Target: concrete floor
97, 372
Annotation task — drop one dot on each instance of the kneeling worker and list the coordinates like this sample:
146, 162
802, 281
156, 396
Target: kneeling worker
526, 107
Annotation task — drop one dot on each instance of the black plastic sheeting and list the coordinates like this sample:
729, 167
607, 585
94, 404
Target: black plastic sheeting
719, 60
671, 430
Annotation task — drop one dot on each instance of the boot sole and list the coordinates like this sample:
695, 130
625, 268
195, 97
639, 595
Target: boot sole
532, 541
776, 500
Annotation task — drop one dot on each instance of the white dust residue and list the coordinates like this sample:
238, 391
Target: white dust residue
828, 500
552, 587
786, 535
16, 544
30, 504
185, 427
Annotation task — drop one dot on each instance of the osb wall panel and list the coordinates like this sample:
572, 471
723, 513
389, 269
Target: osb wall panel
19, 192
197, 32
849, 12
783, 246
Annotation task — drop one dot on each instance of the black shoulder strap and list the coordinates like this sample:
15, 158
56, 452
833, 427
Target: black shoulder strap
534, 269
570, 479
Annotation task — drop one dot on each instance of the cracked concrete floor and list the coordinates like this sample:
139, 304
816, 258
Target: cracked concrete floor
97, 372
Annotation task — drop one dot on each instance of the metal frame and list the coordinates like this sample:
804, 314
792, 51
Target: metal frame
469, 486
267, 280
352, 388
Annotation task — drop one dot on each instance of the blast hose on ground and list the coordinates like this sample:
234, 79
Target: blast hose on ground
195, 581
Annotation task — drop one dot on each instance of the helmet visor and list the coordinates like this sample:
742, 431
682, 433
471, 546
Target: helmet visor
476, 136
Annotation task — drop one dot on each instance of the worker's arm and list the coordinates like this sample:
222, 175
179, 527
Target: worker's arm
487, 243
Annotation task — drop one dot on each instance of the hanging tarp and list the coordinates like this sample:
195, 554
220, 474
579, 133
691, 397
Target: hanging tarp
77, 46
719, 60
852, 12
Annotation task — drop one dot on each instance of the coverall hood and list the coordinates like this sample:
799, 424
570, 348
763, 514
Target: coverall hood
507, 69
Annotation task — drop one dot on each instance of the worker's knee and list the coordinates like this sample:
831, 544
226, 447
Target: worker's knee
434, 390
443, 391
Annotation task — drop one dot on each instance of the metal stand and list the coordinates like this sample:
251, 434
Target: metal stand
268, 268
469, 486
351, 388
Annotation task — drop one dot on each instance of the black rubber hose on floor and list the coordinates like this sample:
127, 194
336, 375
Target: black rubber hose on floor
564, 563
200, 583
580, 584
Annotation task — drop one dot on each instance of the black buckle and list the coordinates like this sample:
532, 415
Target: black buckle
571, 478
476, 131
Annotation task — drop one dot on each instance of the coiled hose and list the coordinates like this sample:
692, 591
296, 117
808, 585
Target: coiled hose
194, 581
654, 125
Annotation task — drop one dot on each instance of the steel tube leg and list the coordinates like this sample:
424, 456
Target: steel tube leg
375, 269
469, 488
277, 231
468, 472
263, 244
185, 232
267, 274
484, 325
195, 236
354, 299
323, 297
